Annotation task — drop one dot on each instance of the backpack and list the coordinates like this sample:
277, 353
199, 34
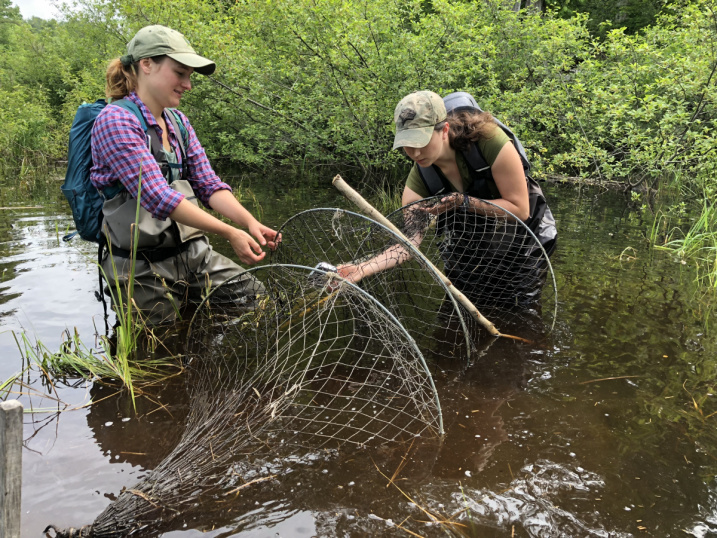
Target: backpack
84, 198
540, 221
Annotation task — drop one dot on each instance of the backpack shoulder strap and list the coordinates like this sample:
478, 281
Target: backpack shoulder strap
480, 173
431, 180
129, 106
476, 161
183, 137
180, 128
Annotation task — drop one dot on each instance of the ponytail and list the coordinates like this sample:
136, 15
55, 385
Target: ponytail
468, 127
121, 80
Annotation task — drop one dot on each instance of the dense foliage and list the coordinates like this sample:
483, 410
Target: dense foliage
316, 81
604, 15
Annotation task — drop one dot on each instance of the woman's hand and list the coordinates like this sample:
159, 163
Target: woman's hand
350, 272
447, 203
265, 235
245, 247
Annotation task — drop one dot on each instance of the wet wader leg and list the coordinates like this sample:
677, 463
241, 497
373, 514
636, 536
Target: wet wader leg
209, 269
150, 295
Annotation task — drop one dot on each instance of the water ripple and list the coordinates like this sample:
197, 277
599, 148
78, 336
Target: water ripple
533, 500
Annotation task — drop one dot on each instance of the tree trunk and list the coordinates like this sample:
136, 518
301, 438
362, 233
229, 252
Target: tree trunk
531, 5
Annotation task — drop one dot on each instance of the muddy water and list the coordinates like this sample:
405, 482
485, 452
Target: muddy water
535, 444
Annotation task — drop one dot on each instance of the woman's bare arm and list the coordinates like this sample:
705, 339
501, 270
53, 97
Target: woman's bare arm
389, 258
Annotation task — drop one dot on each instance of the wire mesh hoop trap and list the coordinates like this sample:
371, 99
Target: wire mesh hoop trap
401, 281
349, 369
492, 257
312, 362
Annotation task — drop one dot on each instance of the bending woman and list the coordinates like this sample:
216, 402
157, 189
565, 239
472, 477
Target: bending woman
466, 155
175, 261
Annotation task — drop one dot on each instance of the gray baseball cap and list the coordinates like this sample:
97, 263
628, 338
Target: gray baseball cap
159, 40
415, 116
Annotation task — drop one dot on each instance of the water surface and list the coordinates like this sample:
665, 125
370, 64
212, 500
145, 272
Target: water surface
535, 446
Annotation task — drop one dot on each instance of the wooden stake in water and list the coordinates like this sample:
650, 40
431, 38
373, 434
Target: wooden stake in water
10, 468
371, 212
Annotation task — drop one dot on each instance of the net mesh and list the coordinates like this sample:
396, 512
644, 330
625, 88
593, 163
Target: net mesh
491, 256
317, 364
404, 284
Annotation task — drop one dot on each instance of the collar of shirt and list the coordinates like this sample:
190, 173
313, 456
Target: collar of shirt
152, 123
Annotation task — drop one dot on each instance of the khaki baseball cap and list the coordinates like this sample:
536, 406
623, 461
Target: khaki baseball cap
415, 116
159, 40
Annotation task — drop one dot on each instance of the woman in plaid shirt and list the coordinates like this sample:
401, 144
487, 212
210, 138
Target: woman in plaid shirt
175, 263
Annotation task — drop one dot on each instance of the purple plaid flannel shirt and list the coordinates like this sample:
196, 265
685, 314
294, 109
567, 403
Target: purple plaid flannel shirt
119, 146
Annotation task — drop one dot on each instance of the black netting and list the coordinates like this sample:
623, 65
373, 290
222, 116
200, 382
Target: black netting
491, 256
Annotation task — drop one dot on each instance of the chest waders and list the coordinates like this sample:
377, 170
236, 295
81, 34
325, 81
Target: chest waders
114, 198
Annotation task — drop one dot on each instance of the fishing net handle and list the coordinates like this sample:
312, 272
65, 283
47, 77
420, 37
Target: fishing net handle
373, 213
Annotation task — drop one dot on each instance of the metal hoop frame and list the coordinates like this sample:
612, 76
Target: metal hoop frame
417, 254
367, 295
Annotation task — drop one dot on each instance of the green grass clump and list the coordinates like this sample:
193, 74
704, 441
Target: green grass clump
698, 245
388, 199
75, 359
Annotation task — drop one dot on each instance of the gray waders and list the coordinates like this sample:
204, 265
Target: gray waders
175, 263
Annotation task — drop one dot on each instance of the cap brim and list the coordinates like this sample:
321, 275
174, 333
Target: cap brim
413, 138
201, 65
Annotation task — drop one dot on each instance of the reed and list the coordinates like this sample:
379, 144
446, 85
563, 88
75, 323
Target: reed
118, 362
388, 199
698, 244
76, 359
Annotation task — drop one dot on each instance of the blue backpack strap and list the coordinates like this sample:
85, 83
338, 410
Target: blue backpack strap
129, 106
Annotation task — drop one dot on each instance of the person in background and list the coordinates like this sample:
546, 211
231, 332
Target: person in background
175, 262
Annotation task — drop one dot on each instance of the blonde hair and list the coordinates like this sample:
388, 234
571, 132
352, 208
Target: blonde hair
121, 80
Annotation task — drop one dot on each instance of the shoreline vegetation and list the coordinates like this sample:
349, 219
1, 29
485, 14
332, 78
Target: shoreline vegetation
618, 93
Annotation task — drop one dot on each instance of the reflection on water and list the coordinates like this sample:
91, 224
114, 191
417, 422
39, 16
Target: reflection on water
592, 431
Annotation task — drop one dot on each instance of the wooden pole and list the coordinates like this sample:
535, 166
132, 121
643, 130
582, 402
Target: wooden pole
10, 468
371, 212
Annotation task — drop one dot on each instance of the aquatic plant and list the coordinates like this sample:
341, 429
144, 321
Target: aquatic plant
698, 244
120, 359
76, 359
